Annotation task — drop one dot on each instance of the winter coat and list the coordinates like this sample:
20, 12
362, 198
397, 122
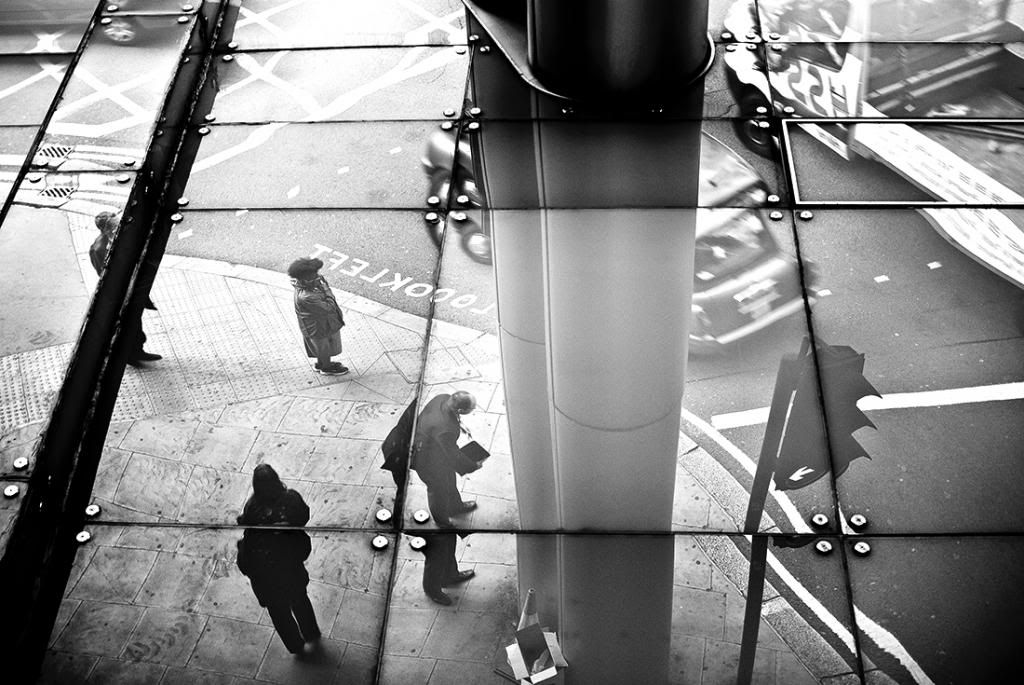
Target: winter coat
316, 308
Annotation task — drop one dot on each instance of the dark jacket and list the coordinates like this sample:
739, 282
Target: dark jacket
316, 308
396, 445
436, 456
273, 559
98, 255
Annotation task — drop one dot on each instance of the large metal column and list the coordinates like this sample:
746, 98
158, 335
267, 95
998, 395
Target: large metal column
589, 148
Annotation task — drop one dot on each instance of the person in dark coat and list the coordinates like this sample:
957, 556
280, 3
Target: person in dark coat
274, 560
108, 222
436, 459
320, 317
396, 446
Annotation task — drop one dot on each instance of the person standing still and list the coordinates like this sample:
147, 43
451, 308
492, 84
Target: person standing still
108, 222
320, 317
274, 560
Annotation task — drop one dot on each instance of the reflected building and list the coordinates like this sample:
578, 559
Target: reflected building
738, 297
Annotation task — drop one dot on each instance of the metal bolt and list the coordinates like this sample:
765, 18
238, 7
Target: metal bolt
806, 215
776, 48
473, 126
420, 516
449, 112
475, 111
761, 109
128, 163
92, 510
210, 117
183, 20
751, 35
233, 45
11, 491
182, 201
83, 537
112, 8
751, 46
775, 215
819, 520
773, 199
774, 36
462, 199
417, 543
485, 48
186, 60
458, 216
460, 49
20, 463
433, 201
858, 521
861, 549
447, 126
379, 542
727, 35
123, 178
35, 178
568, 111
823, 547
177, 218
473, 38
227, 58
159, 132
105, 20
187, 8
383, 515
730, 48
788, 109
204, 130
432, 217
763, 124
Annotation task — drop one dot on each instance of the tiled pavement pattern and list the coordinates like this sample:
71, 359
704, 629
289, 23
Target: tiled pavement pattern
165, 603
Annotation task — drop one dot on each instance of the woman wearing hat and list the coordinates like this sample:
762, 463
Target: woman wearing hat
320, 317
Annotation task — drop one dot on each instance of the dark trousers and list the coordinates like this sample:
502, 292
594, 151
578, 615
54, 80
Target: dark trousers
443, 499
294, 620
440, 565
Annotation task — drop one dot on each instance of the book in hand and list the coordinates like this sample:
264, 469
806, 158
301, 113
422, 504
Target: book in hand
475, 451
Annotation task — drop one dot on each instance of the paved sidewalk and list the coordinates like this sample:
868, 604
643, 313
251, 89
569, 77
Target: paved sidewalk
156, 597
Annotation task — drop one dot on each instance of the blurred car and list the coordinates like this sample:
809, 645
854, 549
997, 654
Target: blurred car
131, 21
743, 281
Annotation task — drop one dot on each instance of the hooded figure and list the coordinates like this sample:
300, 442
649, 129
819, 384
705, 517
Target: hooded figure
273, 559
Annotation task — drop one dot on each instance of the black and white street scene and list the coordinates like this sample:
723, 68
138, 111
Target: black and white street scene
391, 342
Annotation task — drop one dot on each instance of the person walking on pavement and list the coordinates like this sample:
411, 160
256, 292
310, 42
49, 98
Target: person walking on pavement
274, 559
437, 458
108, 222
320, 317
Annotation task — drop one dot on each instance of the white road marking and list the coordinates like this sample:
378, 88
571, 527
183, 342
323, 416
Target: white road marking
897, 400
240, 212
265, 73
343, 170
185, 234
47, 71
293, 192
934, 265
881, 279
394, 150
824, 292
876, 633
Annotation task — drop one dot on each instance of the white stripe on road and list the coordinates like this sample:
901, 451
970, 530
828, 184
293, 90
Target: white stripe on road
896, 400
876, 633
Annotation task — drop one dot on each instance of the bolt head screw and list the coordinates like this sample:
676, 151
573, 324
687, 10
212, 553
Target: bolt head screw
379, 542
417, 543
858, 521
823, 547
420, 516
383, 515
20, 463
83, 537
775, 215
806, 215
473, 126
11, 491
861, 549
433, 201
819, 520
773, 199
92, 510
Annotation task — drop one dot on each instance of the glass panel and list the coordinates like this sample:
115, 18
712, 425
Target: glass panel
334, 85
329, 23
463, 631
941, 348
147, 604
51, 26
945, 609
